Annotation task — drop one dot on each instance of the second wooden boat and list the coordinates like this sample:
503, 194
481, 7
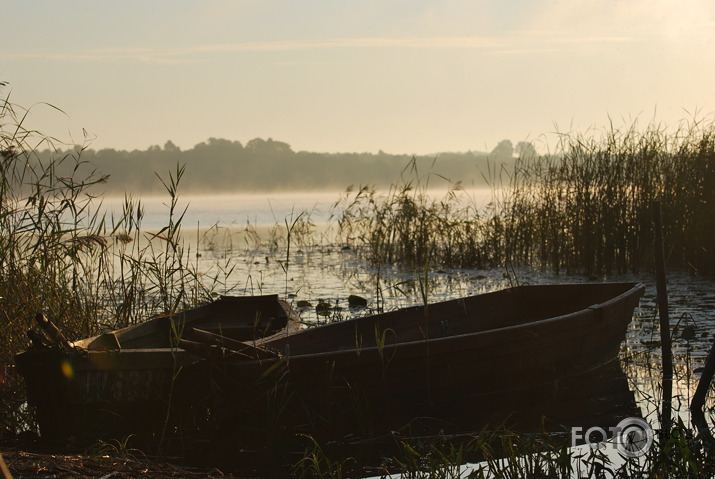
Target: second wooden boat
129, 381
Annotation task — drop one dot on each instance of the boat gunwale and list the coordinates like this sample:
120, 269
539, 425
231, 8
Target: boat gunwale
439, 340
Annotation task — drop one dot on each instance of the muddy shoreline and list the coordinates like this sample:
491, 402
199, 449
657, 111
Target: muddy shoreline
31, 463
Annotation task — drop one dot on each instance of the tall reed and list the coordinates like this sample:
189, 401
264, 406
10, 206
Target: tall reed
582, 209
588, 203
406, 225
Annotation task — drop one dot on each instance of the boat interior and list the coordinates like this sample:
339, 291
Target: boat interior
239, 318
509, 307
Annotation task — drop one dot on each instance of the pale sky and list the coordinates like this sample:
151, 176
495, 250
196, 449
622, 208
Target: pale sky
403, 76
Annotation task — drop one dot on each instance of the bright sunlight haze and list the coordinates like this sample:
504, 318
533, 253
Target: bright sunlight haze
402, 76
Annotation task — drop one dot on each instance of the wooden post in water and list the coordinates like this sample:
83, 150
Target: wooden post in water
705, 378
696, 404
665, 339
4, 469
698, 401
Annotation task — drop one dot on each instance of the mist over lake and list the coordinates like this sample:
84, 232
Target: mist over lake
255, 209
232, 210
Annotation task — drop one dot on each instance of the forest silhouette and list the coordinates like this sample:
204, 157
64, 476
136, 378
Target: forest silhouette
220, 165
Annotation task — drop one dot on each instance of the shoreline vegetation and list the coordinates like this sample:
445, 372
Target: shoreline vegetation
582, 209
220, 165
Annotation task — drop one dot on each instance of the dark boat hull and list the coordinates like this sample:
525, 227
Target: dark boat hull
418, 361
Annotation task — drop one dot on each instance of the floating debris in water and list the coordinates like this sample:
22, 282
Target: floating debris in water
355, 301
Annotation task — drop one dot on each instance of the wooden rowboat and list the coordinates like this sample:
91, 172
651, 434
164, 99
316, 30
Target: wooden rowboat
421, 360
125, 381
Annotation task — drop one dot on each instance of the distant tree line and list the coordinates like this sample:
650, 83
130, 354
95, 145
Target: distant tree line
219, 165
